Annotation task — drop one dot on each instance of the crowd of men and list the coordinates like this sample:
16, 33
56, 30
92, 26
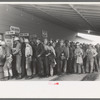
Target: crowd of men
44, 58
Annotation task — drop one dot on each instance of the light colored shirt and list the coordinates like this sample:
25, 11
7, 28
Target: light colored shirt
28, 50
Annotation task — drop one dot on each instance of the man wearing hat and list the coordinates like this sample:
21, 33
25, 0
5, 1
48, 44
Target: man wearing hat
98, 55
17, 53
34, 66
62, 52
23, 60
2, 59
8, 74
28, 55
78, 59
90, 53
39, 55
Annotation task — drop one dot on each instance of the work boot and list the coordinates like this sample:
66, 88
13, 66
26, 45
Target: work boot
33, 75
26, 77
29, 77
11, 77
19, 76
6, 78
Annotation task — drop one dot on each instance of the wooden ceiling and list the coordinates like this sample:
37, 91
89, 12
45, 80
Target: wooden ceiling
77, 17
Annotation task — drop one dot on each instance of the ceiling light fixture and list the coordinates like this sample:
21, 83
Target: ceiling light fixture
95, 39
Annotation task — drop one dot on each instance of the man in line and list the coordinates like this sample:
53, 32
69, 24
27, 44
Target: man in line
17, 53
90, 53
39, 56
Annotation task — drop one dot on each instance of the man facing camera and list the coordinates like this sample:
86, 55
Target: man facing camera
39, 57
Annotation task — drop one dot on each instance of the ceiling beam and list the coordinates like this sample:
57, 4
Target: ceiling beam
82, 16
70, 27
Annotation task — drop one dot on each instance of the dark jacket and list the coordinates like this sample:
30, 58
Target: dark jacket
40, 50
62, 49
2, 57
34, 48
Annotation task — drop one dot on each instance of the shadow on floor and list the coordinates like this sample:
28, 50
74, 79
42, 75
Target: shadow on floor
91, 77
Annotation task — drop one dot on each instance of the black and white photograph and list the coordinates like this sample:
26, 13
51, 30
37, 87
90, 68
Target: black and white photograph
49, 42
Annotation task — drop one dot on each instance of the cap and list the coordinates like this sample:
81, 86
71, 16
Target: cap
16, 39
77, 44
26, 40
3, 43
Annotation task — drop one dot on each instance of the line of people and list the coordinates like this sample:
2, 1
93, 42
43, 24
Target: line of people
44, 58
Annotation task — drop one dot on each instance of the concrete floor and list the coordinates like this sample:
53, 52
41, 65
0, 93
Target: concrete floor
70, 77
63, 77
37, 79
66, 77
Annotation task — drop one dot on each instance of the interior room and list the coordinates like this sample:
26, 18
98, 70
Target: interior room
74, 23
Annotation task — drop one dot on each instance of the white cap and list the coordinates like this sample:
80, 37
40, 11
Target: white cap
3, 43
26, 40
78, 44
16, 39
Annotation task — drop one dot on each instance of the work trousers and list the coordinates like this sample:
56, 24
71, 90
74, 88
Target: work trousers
84, 63
1, 72
75, 66
28, 66
52, 66
7, 68
78, 67
98, 61
59, 70
64, 65
95, 64
18, 64
40, 66
61, 66
90, 65
34, 69
14, 66
46, 65
23, 63
51, 70
70, 65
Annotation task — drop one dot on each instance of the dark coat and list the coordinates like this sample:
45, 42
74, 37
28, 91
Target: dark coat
62, 49
2, 57
40, 50
34, 48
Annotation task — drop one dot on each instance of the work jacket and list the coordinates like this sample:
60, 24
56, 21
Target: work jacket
91, 53
40, 50
2, 56
62, 49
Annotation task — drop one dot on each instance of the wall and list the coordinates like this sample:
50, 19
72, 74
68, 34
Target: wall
10, 16
81, 40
